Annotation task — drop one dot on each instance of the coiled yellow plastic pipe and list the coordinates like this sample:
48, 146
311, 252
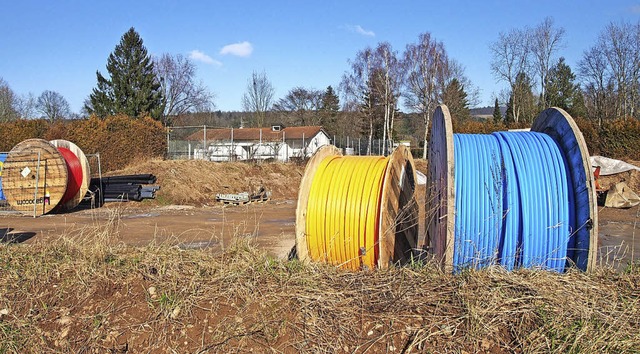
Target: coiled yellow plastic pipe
343, 211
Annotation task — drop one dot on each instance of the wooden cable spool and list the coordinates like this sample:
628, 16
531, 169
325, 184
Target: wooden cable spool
441, 192
36, 177
398, 211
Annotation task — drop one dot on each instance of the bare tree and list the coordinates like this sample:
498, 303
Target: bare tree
593, 69
617, 40
53, 106
610, 72
7, 102
26, 106
357, 90
258, 97
511, 54
546, 40
424, 64
387, 82
302, 105
182, 94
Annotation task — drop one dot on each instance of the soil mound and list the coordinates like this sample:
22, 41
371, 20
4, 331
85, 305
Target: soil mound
196, 182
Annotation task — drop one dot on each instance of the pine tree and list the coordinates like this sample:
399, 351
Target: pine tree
508, 116
132, 88
329, 108
563, 92
455, 98
497, 114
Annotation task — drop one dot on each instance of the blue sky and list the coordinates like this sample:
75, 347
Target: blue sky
59, 45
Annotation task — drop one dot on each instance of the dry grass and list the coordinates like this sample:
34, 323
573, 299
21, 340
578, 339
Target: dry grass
195, 182
88, 292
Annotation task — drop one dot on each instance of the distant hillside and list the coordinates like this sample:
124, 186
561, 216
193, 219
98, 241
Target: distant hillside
485, 112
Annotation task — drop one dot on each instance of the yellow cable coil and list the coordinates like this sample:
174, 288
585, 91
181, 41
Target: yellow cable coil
343, 211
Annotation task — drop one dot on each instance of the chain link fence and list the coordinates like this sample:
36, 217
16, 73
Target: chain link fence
190, 142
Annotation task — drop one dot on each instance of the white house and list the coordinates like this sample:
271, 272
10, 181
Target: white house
278, 143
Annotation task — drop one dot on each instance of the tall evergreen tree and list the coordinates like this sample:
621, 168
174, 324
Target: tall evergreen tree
329, 109
497, 114
132, 88
455, 98
508, 115
563, 91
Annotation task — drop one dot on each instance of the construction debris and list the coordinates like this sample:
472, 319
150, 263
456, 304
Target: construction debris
262, 195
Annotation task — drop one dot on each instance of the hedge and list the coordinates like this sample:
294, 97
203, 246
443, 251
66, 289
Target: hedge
119, 139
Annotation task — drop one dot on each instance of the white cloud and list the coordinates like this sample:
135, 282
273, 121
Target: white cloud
359, 30
203, 58
242, 49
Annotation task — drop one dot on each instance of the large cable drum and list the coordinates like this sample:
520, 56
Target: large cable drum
515, 199
34, 177
357, 212
39, 177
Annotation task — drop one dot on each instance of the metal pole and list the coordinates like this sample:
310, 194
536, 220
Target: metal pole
204, 142
231, 150
359, 146
35, 193
168, 148
304, 154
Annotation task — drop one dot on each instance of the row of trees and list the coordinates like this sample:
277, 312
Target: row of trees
605, 87
49, 105
137, 85
378, 82
424, 75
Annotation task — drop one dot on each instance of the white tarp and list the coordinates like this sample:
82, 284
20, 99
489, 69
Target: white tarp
422, 179
611, 166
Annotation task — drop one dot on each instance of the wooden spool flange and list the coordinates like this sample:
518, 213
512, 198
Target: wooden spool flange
399, 210
302, 249
34, 177
398, 214
86, 174
559, 125
441, 192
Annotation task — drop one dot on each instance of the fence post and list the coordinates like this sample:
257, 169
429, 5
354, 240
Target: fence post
35, 193
204, 142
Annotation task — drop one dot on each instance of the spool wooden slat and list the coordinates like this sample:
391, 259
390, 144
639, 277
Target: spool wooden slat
303, 197
399, 210
25, 182
559, 125
440, 200
86, 174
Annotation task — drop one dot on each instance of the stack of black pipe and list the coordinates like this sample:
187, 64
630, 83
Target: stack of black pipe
125, 188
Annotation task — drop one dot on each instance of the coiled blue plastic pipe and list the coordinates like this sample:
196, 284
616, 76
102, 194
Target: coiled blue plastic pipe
513, 204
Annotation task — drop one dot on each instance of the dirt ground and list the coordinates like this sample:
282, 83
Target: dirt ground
186, 215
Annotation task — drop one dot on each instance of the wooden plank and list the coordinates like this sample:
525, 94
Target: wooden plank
399, 210
303, 197
27, 182
559, 125
86, 173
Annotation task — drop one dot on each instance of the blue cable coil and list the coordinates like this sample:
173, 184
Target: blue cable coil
513, 202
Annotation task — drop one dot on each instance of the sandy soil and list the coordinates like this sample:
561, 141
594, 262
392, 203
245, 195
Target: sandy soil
270, 224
